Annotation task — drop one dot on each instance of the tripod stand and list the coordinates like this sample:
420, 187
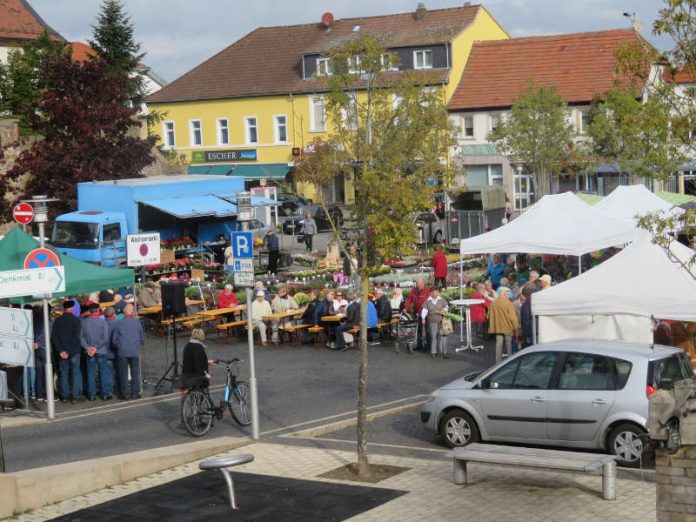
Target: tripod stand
173, 368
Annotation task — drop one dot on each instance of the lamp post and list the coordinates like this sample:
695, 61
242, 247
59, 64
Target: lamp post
244, 215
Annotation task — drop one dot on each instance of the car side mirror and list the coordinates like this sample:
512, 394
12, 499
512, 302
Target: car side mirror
489, 385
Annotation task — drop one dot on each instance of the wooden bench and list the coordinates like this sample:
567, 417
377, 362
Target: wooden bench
294, 328
536, 458
180, 320
193, 322
225, 327
318, 332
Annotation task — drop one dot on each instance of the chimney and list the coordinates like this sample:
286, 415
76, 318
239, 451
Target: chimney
420, 11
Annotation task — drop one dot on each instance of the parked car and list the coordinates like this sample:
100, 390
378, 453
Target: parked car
258, 228
289, 203
293, 224
584, 394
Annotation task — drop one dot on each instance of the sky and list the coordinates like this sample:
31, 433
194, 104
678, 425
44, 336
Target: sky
177, 35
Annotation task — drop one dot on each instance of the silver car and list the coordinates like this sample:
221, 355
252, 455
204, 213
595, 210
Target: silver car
583, 394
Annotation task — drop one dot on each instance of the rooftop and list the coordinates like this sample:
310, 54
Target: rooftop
579, 65
19, 21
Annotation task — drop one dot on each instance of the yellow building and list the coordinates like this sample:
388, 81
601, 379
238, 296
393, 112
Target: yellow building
252, 108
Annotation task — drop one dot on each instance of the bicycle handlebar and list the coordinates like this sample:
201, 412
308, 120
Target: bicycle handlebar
231, 361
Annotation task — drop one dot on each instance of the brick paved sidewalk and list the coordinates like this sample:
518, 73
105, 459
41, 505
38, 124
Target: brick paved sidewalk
496, 493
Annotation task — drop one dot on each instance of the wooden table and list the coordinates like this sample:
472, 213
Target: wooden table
194, 302
279, 316
217, 312
106, 304
150, 310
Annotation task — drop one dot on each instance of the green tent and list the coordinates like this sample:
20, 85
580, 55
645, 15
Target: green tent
676, 199
80, 277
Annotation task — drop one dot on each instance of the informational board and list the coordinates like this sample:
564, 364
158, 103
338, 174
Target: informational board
244, 279
143, 249
16, 337
243, 265
35, 281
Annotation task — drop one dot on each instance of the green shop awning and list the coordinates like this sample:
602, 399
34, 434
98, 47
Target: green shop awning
80, 277
275, 171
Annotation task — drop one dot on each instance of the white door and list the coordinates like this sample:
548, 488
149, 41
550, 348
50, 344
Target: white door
524, 193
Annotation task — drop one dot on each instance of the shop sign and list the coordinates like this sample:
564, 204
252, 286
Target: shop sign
221, 156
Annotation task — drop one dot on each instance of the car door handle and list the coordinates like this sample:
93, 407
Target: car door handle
599, 401
538, 399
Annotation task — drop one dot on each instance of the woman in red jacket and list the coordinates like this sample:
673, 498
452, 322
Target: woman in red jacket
478, 312
439, 264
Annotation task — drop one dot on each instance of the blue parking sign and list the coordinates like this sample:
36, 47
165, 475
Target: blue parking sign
242, 245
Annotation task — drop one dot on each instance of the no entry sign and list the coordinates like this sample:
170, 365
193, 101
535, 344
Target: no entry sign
23, 213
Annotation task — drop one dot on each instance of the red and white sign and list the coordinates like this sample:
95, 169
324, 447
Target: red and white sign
41, 258
23, 213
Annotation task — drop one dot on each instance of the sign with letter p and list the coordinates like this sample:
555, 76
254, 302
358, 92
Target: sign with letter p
242, 245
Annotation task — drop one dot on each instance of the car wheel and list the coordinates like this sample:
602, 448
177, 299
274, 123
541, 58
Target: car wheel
458, 429
626, 441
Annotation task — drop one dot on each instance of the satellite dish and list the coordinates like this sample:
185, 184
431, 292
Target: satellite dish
327, 19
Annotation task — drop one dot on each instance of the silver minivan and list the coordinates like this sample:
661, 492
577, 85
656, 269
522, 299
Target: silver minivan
582, 394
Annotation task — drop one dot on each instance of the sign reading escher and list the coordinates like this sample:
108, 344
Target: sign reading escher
217, 156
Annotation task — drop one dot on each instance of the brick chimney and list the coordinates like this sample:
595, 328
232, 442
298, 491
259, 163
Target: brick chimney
420, 11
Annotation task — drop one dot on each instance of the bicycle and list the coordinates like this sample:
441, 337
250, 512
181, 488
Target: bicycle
198, 411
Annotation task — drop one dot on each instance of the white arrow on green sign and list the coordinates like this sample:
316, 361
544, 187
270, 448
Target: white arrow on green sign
35, 281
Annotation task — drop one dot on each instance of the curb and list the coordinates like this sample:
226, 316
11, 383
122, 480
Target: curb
34, 488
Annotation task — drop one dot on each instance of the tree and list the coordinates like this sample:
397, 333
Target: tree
390, 133
636, 135
538, 134
114, 43
84, 119
21, 80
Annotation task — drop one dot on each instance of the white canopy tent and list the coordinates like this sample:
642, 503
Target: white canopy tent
617, 299
627, 201
559, 224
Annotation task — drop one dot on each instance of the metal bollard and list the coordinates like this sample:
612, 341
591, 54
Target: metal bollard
459, 471
609, 480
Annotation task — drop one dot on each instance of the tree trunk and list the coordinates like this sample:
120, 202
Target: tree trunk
363, 463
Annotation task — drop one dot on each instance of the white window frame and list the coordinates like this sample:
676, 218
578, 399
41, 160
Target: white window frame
219, 129
422, 53
580, 124
313, 124
491, 117
492, 177
355, 65
247, 130
386, 64
352, 109
473, 127
165, 134
192, 134
323, 67
276, 128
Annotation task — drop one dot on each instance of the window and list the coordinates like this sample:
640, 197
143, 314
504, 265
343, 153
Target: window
169, 140
354, 63
494, 120
252, 133
112, 232
583, 120
317, 114
280, 129
529, 372
584, 371
323, 67
495, 174
663, 373
422, 59
350, 115
223, 131
388, 62
468, 126
195, 133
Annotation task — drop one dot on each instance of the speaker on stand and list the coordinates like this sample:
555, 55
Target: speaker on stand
173, 305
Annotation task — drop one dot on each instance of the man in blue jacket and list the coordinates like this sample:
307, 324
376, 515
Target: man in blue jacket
127, 340
65, 341
273, 244
95, 342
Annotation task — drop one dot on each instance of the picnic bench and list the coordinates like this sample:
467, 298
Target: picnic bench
536, 458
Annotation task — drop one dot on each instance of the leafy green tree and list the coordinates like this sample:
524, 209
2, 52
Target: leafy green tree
22, 82
636, 135
390, 133
537, 133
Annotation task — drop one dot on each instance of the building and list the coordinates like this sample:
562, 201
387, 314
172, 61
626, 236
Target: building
580, 66
253, 107
20, 24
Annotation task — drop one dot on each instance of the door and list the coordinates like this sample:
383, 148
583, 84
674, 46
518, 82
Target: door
524, 194
113, 249
584, 396
514, 398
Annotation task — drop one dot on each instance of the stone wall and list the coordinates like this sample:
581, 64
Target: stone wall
676, 485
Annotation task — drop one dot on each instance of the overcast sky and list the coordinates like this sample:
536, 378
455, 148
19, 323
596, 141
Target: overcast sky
177, 35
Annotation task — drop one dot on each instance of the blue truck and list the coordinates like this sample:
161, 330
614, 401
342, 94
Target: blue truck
199, 207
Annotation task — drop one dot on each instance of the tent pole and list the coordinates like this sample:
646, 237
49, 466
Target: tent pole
579, 265
534, 329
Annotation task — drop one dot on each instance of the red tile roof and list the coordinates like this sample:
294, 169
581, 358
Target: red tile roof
19, 21
683, 76
82, 52
268, 61
579, 65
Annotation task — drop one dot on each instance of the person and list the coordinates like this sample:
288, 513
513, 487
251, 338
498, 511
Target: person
94, 337
308, 314
273, 245
509, 266
39, 386
333, 253
431, 315
339, 303
383, 306
350, 267
111, 321
195, 361
522, 269
260, 308
533, 281
229, 260
324, 307
352, 320
513, 285
526, 318
309, 228
414, 304
147, 297
260, 288
479, 311
281, 303
502, 321
65, 341
397, 301
439, 264
508, 209
372, 320
106, 296
226, 297
496, 269
544, 282
128, 339
119, 304
489, 292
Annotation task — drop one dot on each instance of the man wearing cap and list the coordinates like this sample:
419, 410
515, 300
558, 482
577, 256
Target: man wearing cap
65, 339
94, 337
544, 282
127, 340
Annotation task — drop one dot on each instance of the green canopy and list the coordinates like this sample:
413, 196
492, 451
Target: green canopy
80, 277
676, 199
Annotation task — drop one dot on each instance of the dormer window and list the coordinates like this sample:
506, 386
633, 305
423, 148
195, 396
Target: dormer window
323, 67
422, 59
387, 62
354, 63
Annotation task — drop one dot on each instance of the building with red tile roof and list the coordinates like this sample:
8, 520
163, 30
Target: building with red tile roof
19, 24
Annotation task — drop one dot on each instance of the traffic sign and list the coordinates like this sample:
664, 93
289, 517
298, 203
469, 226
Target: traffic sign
14, 321
37, 281
23, 213
243, 265
16, 336
143, 249
41, 258
244, 279
242, 245
16, 350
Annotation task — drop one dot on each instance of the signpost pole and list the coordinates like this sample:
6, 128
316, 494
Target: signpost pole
50, 404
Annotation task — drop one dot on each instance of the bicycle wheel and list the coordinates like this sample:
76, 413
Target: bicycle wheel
197, 412
240, 403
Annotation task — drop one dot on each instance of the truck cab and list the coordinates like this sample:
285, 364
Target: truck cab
93, 236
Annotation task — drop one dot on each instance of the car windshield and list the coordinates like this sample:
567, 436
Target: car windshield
663, 373
302, 210
73, 234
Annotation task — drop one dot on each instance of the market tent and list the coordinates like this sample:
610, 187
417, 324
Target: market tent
628, 201
558, 224
641, 281
80, 277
